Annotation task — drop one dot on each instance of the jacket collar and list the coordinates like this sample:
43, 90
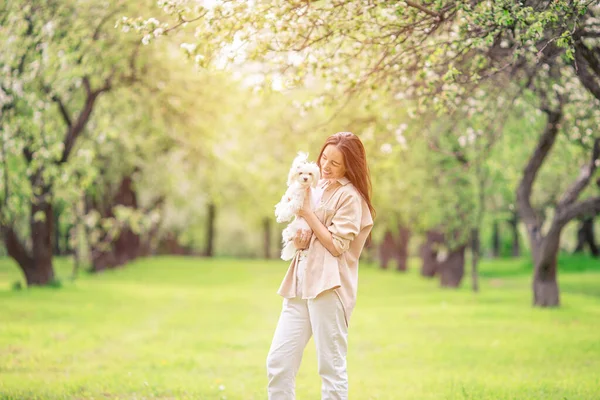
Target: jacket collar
342, 181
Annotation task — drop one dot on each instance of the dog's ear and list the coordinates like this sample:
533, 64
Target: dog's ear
291, 174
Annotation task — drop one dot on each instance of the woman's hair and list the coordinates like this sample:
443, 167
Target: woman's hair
355, 160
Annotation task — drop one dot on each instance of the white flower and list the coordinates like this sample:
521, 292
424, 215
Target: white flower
153, 21
146, 39
189, 47
386, 148
401, 141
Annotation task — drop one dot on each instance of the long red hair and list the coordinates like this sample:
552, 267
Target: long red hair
355, 162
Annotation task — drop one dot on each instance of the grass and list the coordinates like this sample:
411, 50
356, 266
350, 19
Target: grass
186, 328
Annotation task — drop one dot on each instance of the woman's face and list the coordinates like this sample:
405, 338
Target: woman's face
332, 163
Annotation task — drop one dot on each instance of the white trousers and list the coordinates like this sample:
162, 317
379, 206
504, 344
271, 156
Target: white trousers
324, 318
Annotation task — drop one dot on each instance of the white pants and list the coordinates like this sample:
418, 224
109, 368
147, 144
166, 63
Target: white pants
324, 318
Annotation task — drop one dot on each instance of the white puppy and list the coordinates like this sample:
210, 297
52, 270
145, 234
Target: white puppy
303, 174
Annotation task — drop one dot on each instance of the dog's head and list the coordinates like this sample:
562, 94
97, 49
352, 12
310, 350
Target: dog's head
304, 172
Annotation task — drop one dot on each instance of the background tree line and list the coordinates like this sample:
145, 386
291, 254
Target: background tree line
173, 133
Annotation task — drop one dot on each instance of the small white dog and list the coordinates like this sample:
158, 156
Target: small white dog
303, 174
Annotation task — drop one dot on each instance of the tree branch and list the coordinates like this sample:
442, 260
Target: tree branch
422, 8
581, 64
589, 206
589, 56
540, 153
182, 21
587, 171
106, 18
590, 34
86, 85
63, 110
75, 130
15, 248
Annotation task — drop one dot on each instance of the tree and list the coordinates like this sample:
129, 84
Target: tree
545, 246
61, 58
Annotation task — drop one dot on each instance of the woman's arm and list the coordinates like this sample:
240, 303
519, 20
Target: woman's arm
345, 225
319, 230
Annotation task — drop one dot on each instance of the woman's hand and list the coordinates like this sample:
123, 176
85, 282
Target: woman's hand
306, 208
302, 239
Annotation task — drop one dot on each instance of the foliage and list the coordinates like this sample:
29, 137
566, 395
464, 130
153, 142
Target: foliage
58, 61
460, 66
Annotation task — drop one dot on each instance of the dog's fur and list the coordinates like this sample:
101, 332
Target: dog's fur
303, 174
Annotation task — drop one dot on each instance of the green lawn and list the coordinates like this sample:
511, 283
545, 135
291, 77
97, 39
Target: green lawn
179, 328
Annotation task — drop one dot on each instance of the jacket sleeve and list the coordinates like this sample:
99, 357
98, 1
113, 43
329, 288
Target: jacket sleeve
345, 224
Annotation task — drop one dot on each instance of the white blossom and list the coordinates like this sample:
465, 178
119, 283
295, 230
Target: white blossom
386, 148
189, 47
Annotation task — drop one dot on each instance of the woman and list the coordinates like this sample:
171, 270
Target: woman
319, 288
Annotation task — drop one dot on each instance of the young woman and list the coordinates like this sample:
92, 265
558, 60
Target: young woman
319, 289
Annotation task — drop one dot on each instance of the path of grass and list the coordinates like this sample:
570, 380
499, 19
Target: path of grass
176, 328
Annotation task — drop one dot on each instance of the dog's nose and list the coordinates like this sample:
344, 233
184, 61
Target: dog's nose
305, 179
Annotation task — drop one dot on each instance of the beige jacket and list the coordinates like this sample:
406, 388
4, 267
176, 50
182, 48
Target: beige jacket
347, 216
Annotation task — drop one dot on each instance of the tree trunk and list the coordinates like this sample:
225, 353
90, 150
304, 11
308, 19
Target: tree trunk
56, 242
475, 251
429, 253
102, 260
267, 237
126, 247
516, 244
35, 274
452, 269
402, 249
65, 240
75, 230
150, 240
545, 248
367, 254
42, 271
545, 284
495, 239
127, 244
386, 249
169, 244
585, 236
148, 244
210, 230
395, 248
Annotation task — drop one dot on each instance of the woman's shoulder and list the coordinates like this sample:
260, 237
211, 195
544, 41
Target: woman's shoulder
353, 199
349, 189
349, 193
